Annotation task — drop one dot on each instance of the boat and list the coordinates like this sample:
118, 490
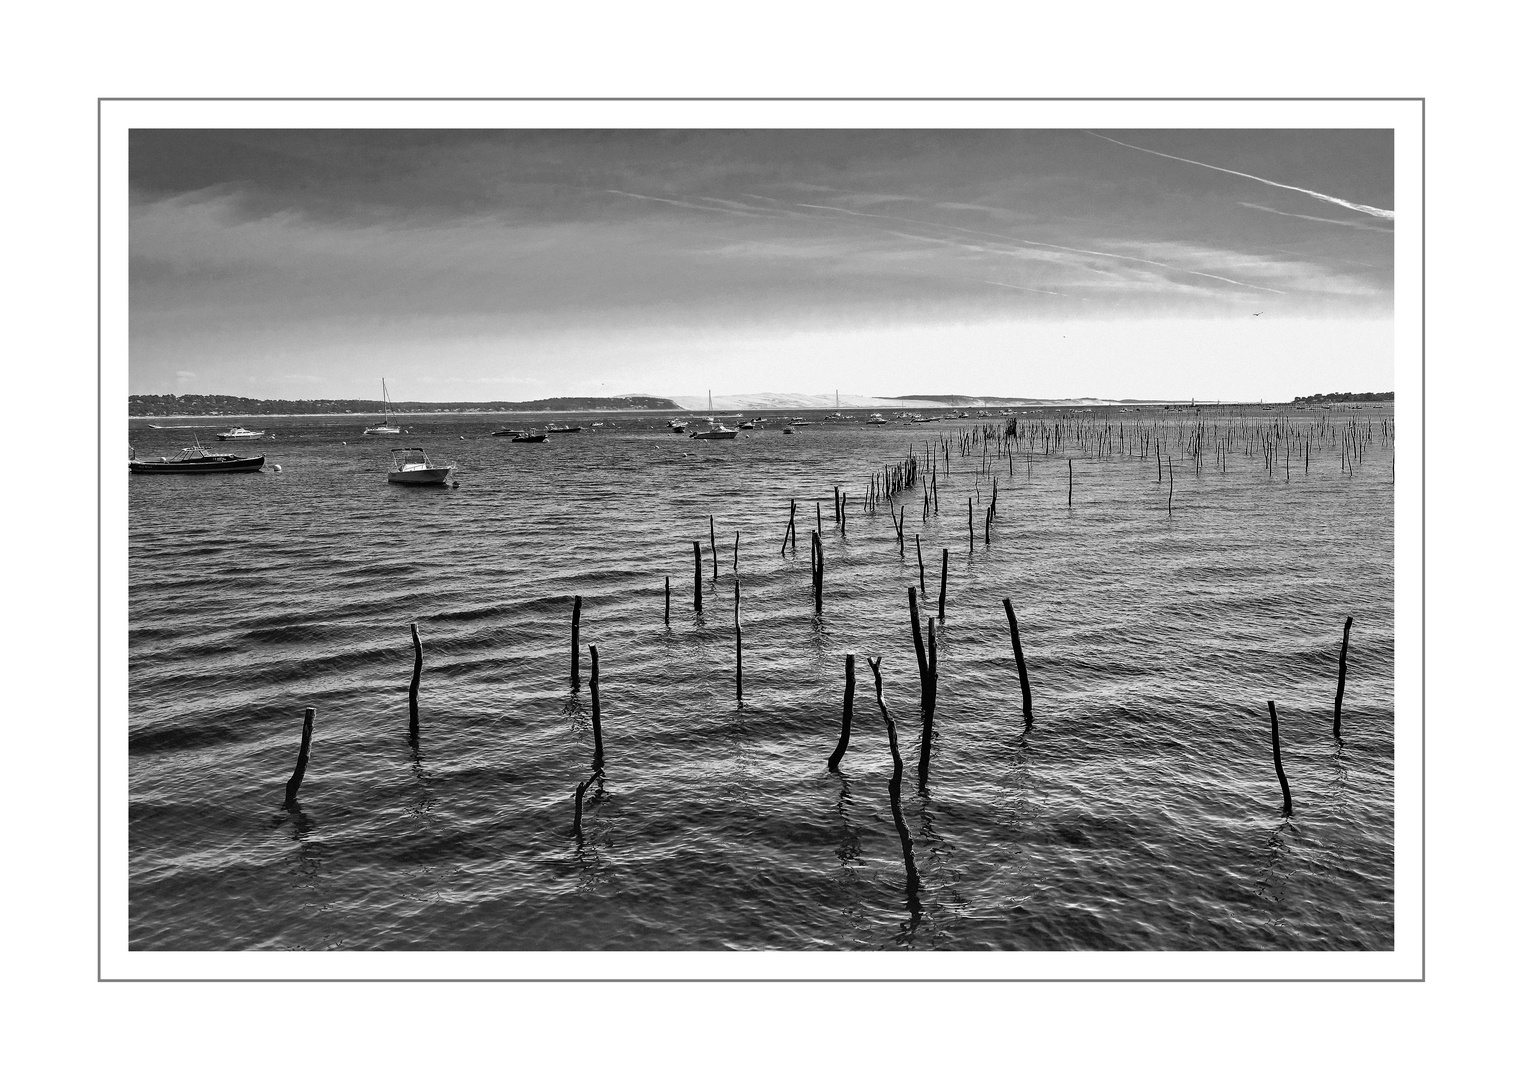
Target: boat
528, 436
787, 431
718, 431
237, 432
388, 425
196, 459
553, 429
410, 465
748, 425
876, 418
679, 426
510, 432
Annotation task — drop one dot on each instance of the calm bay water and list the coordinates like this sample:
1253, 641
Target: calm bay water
1141, 811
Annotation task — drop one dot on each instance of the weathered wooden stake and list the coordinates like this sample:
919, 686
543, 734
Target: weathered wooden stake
1020, 662
928, 705
851, 689
1171, 489
817, 565
970, 526
697, 577
1348, 622
735, 562
667, 618
788, 532
941, 606
293, 785
737, 641
920, 562
576, 637
412, 690
1274, 741
912, 879
597, 713
1070, 481
713, 551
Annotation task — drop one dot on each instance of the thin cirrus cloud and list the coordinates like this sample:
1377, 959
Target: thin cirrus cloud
329, 247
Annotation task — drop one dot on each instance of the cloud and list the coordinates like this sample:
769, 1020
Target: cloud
1373, 211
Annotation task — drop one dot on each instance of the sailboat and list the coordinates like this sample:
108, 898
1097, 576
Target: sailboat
388, 426
716, 430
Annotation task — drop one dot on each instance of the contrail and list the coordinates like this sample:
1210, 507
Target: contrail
1022, 288
1324, 220
1373, 211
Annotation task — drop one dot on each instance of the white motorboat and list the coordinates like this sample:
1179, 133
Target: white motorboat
410, 465
237, 432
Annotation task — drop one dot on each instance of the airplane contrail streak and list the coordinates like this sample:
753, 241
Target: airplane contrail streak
1373, 211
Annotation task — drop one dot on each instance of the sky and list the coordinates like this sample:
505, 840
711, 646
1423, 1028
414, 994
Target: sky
479, 265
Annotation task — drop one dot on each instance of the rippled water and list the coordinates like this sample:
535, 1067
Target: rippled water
1141, 811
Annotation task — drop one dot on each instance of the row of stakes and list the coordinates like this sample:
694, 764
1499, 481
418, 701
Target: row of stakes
925, 658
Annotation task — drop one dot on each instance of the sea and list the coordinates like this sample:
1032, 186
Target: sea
1164, 597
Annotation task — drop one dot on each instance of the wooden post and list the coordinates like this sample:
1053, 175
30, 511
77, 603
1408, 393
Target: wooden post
737, 641
1070, 481
1274, 741
851, 689
597, 713
1171, 489
788, 532
576, 635
837, 504
817, 565
735, 562
912, 879
970, 526
1020, 662
293, 785
920, 562
697, 577
1348, 622
928, 704
412, 690
713, 552
667, 618
899, 528
941, 606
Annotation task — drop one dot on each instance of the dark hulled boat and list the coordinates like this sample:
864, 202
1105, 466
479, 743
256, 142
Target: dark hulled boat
197, 459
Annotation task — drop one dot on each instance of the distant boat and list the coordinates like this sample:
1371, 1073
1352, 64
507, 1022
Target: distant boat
388, 425
410, 465
509, 432
718, 431
787, 431
679, 426
553, 429
528, 436
239, 433
748, 425
197, 459
876, 418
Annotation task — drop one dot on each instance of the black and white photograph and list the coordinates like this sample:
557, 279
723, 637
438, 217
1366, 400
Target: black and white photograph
963, 548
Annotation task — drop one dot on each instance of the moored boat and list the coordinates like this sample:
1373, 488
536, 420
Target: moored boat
718, 431
388, 424
876, 418
509, 432
410, 465
239, 432
196, 459
529, 436
557, 429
